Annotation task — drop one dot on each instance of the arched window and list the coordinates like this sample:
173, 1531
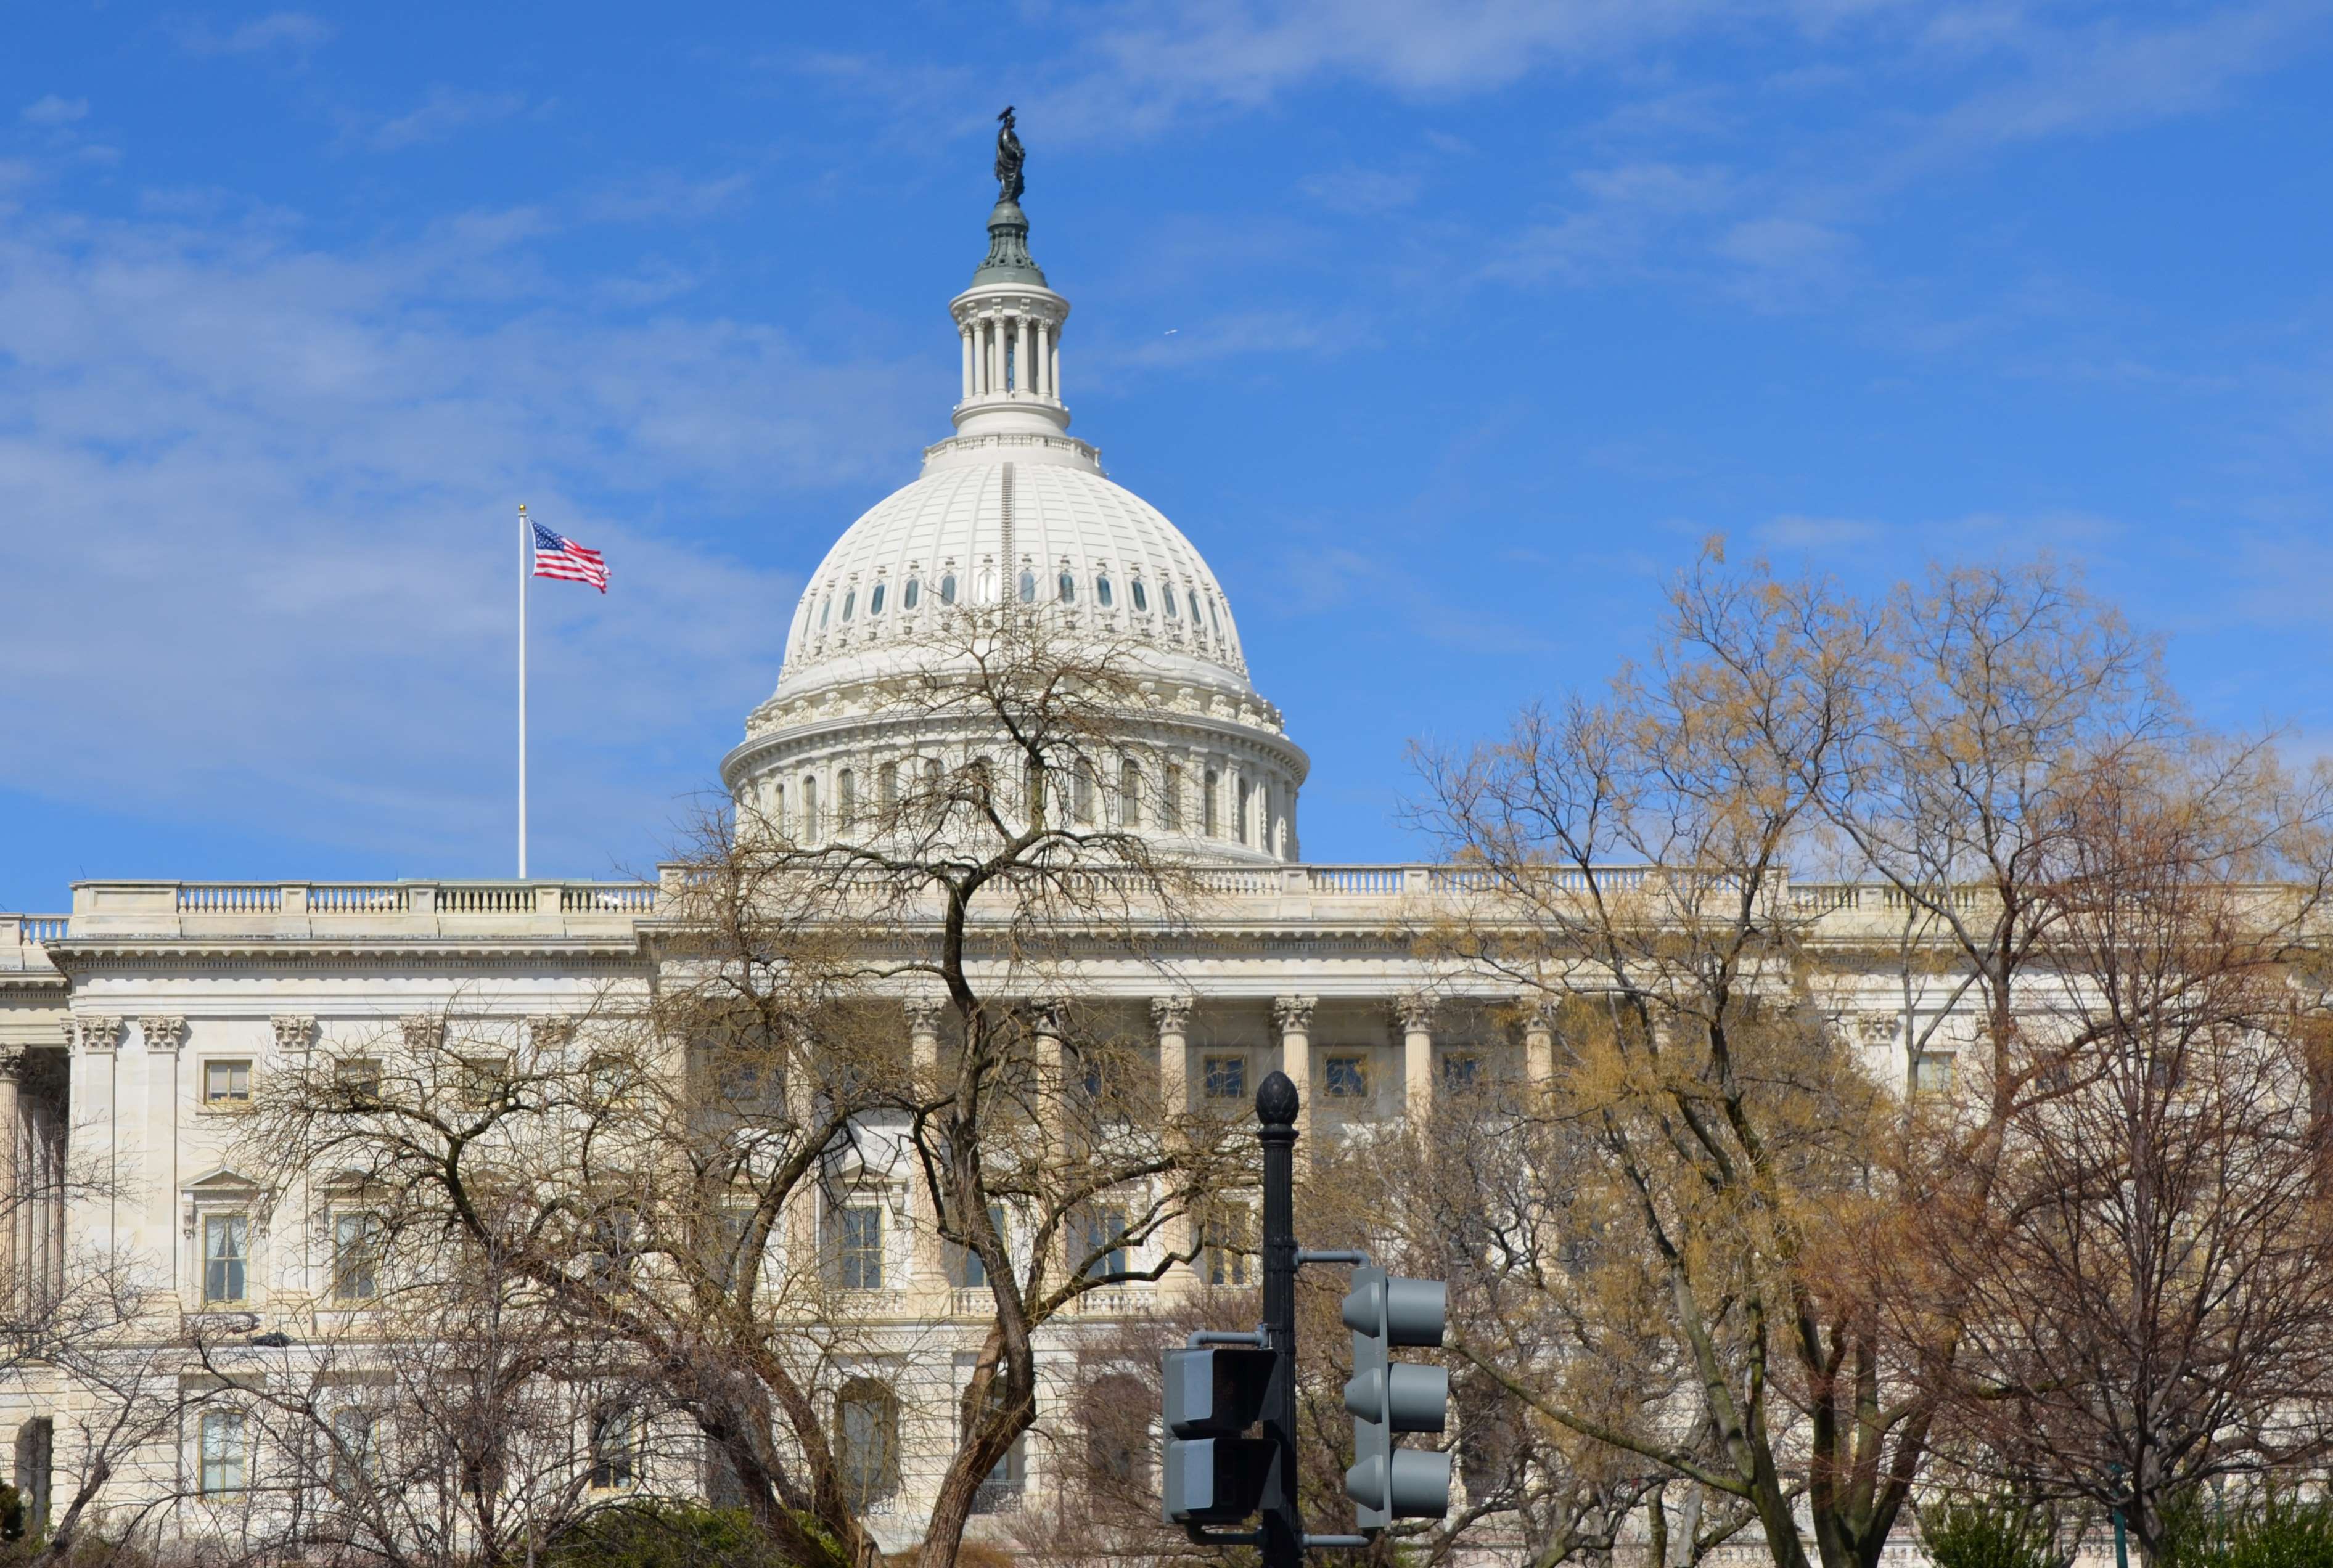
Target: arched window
983, 588
1212, 621
1141, 599
867, 1433
1129, 795
1170, 798
1028, 587
1246, 805
1195, 609
846, 798
908, 595
886, 787
1081, 793
1102, 590
824, 606
1207, 823
1168, 599
810, 807
849, 600
1068, 588
947, 589
875, 601
778, 808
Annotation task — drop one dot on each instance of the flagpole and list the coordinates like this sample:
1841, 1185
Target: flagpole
526, 548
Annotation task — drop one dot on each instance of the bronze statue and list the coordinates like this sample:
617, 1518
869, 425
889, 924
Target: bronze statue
1009, 159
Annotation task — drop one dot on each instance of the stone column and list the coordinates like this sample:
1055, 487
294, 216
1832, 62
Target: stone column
995, 356
163, 1039
963, 337
1044, 382
1023, 361
95, 1039
1172, 1017
1053, 371
1293, 1017
924, 1055
1414, 1013
1539, 1045
12, 1251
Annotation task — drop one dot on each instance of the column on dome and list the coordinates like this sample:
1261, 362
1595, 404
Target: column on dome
1053, 371
1021, 358
995, 356
1172, 1017
1044, 355
963, 338
1414, 1014
1292, 1016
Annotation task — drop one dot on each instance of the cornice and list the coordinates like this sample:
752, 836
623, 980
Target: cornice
97, 954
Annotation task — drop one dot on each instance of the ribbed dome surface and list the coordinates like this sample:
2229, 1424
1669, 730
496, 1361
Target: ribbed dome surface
973, 530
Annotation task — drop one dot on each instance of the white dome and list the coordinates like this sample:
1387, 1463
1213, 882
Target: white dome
983, 518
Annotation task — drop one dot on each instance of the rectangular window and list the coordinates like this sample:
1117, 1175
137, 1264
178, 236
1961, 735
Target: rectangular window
1105, 1242
356, 1454
359, 1077
356, 1257
222, 1452
615, 1439
1348, 1077
969, 1272
1226, 1078
858, 1250
1225, 1243
1932, 1072
226, 1083
226, 1248
1461, 1071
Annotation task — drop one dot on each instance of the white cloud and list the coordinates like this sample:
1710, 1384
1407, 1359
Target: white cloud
1794, 531
257, 547
293, 33
1364, 192
442, 112
51, 109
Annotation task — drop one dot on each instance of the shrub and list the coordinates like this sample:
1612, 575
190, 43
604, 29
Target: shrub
1991, 1532
665, 1534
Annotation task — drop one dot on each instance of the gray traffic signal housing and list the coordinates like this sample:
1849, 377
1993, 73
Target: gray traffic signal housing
1212, 1475
1386, 1397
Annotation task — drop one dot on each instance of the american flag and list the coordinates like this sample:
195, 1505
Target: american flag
556, 555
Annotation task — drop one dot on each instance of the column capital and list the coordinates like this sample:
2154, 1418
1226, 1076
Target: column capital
96, 1031
923, 1015
1172, 1015
1293, 1015
11, 1064
293, 1031
1414, 1012
163, 1033
550, 1031
423, 1032
1538, 1012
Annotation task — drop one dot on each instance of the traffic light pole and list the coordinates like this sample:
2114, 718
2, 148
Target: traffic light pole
1282, 1536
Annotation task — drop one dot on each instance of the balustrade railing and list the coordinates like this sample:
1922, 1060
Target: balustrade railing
32, 930
357, 898
230, 898
486, 898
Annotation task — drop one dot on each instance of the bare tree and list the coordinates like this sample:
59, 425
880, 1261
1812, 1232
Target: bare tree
2147, 1302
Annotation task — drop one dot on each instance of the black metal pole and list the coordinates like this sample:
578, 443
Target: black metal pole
1276, 1115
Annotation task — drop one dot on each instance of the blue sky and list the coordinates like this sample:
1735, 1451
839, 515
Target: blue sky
1446, 332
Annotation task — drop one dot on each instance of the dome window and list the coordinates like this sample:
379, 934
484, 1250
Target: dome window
947, 589
1195, 609
1168, 599
1068, 589
1102, 590
1028, 587
1212, 619
849, 600
875, 601
1141, 599
983, 588
826, 606
907, 595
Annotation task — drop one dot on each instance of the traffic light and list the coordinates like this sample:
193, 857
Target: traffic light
1388, 1483
1213, 1475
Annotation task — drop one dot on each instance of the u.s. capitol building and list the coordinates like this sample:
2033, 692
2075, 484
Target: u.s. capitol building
139, 1026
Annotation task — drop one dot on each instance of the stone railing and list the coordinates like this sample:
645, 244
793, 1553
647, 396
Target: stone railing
294, 910
32, 930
